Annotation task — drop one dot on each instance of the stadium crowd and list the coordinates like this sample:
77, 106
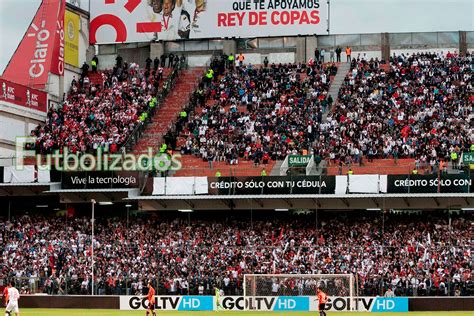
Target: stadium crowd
256, 113
412, 254
100, 115
420, 108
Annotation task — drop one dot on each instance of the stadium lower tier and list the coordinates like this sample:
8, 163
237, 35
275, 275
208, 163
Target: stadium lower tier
414, 254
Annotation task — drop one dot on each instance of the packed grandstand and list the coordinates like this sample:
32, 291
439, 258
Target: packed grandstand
416, 254
414, 106
417, 106
209, 155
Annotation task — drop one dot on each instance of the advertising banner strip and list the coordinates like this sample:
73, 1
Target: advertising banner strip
278, 185
99, 180
57, 65
137, 21
266, 303
443, 183
31, 62
71, 49
23, 96
272, 185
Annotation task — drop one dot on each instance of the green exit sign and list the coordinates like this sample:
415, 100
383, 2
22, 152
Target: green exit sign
468, 158
298, 160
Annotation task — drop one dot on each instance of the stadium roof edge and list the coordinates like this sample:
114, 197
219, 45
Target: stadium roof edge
306, 201
303, 196
111, 190
29, 184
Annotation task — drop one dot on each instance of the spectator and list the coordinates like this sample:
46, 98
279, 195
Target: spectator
95, 64
182, 60
316, 55
348, 54
412, 253
241, 59
118, 61
84, 70
148, 62
389, 293
230, 61
338, 54
163, 60
176, 60
331, 55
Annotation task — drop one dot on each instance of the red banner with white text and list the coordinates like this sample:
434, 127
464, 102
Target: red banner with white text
114, 21
23, 96
57, 66
31, 62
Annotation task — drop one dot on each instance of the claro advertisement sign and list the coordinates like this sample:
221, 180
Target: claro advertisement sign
42, 48
266, 303
141, 21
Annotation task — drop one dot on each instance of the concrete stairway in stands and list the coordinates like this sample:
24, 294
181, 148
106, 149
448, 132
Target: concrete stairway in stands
95, 78
168, 111
342, 70
276, 168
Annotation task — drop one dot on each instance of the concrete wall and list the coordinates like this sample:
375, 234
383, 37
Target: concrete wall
71, 301
280, 57
113, 302
106, 61
441, 304
199, 60
86, 51
367, 16
16, 121
58, 86
294, 49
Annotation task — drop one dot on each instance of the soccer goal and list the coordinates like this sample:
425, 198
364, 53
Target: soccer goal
260, 288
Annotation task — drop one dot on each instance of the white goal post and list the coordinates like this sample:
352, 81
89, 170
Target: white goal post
259, 286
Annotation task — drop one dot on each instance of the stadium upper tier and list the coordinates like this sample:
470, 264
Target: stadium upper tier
417, 108
420, 107
425, 254
100, 113
256, 113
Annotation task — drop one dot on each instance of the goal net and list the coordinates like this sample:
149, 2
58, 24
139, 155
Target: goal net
257, 287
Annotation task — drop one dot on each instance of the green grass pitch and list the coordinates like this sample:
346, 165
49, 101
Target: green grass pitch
102, 312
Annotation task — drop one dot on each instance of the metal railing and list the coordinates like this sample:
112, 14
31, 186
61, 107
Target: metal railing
127, 285
249, 167
168, 84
